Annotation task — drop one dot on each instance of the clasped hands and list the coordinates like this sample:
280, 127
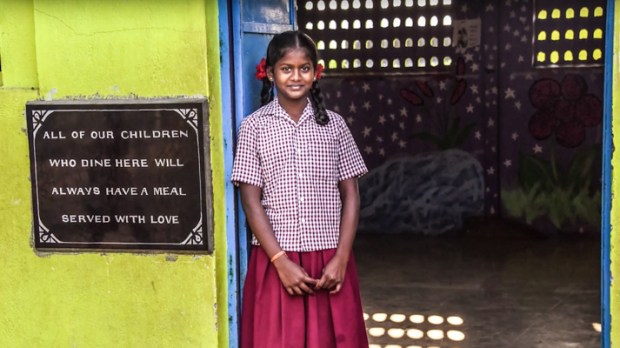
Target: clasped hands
296, 280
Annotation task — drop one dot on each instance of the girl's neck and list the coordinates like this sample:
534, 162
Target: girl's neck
294, 108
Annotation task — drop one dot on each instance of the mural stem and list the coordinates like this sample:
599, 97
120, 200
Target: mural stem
554, 167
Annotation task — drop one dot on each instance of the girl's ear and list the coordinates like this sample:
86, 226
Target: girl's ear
270, 73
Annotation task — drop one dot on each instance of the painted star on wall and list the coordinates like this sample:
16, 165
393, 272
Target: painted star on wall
537, 149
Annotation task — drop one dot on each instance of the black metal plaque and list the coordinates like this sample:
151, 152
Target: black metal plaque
120, 175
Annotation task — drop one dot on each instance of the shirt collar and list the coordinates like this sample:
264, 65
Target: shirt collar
275, 109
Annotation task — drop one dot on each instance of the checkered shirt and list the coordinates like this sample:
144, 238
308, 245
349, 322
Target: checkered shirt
298, 167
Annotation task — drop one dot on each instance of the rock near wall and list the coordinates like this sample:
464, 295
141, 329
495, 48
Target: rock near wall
429, 193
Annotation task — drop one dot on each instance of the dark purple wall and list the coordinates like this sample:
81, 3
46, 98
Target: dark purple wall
535, 132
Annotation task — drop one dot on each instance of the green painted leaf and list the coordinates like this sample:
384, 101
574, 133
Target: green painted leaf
462, 135
534, 171
580, 172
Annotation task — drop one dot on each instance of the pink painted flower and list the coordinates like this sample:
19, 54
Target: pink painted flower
564, 109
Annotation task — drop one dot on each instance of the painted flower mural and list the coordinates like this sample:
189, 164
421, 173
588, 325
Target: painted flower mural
566, 193
564, 109
450, 132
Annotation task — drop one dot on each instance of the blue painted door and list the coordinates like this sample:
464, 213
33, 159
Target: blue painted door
606, 276
246, 27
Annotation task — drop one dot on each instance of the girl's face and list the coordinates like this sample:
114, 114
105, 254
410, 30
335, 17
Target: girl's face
293, 75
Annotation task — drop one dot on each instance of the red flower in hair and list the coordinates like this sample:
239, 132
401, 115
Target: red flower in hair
261, 69
319, 71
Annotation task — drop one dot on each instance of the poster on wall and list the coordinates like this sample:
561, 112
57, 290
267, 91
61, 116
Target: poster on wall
466, 33
120, 175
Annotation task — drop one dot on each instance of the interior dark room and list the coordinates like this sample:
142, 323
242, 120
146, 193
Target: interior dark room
480, 124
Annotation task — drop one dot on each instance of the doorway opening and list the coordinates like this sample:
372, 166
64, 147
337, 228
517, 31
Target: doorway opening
475, 229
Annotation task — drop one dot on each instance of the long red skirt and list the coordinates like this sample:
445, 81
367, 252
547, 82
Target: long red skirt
271, 318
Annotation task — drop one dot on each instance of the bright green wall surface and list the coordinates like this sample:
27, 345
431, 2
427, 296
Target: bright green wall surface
104, 49
17, 37
141, 47
615, 189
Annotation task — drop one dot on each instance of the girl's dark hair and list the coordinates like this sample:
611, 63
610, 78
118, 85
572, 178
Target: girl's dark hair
278, 47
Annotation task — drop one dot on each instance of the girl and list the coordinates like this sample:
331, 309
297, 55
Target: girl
297, 167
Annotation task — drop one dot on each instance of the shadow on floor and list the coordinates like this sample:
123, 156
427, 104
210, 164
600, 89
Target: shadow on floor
492, 284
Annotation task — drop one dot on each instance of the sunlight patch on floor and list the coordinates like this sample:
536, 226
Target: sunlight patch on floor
411, 333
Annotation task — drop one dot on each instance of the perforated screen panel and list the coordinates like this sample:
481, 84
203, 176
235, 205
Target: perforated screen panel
568, 33
380, 36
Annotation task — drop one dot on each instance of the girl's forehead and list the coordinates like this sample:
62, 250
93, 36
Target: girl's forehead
297, 53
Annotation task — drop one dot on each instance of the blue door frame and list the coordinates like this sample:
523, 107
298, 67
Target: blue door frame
228, 129
246, 27
606, 179
243, 39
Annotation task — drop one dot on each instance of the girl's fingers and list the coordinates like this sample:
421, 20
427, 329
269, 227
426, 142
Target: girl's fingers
331, 282
336, 289
299, 290
327, 283
324, 283
305, 289
319, 284
309, 280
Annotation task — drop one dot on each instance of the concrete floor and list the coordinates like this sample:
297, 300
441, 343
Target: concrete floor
508, 286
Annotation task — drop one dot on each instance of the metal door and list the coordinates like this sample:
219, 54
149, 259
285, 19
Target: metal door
246, 26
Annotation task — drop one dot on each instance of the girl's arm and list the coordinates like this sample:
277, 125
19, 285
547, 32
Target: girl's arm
334, 272
293, 277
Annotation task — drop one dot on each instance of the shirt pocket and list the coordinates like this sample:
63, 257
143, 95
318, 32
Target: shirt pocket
322, 157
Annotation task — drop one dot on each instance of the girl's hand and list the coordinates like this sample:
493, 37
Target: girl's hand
293, 277
333, 275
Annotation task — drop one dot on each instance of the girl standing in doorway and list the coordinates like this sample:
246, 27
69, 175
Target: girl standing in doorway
297, 166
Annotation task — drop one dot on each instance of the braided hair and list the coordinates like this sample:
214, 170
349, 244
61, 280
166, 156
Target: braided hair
279, 45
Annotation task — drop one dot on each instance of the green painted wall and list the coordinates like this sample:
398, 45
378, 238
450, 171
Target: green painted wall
615, 189
17, 43
105, 49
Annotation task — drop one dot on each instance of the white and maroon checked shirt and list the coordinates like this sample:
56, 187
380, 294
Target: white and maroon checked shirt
298, 166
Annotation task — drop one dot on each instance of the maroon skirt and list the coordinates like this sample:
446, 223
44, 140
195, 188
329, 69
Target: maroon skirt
271, 318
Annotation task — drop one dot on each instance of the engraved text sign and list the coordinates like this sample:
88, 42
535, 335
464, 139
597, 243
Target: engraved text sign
119, 175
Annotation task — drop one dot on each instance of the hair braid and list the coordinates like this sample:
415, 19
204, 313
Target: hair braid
320, 114
266, 93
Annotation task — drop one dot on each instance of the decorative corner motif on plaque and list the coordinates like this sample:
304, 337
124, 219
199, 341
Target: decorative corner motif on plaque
189, 115
45, 236
195, 237
38, 117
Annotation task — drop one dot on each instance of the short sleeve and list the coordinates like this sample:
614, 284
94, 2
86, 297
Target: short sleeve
350, 161
246, 165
